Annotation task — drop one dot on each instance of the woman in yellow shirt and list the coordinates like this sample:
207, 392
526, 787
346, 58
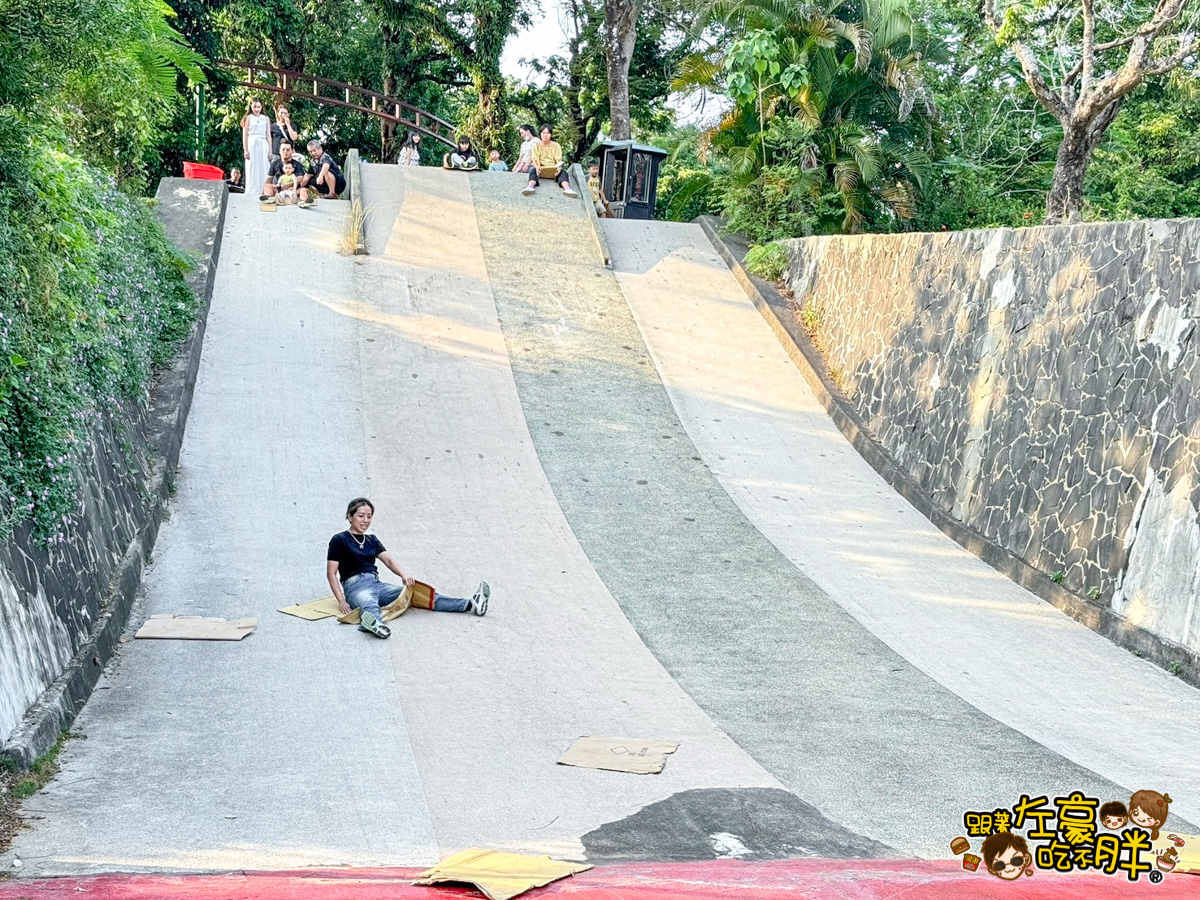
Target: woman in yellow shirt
547, 162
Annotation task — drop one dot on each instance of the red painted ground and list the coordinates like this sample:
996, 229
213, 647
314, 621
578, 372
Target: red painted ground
815, 879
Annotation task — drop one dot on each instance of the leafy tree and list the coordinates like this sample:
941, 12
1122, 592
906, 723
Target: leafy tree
91, 297
576, 96
832, 111
1082, 62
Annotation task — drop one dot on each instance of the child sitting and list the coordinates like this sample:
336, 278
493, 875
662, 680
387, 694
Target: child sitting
496, 164
285, 185
598, 198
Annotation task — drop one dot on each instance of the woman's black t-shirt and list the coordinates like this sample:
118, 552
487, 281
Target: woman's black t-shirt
351, 558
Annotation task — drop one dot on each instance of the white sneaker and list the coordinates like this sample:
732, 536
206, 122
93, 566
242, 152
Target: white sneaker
529, 189
479, 600
569, 191
374, 626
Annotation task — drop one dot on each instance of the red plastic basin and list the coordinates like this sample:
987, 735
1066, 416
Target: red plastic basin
204, 171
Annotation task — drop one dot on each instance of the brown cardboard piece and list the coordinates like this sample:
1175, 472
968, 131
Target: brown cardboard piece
499, 875
635, 755
419, 596
195, 628
314, 609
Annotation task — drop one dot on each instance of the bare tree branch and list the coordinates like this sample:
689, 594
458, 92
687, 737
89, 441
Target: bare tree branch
1088, 61
1100, 48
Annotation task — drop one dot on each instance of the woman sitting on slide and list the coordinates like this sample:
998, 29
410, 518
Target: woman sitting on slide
350, 568
410, 153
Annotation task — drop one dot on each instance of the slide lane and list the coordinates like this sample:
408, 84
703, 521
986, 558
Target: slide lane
491, 703
260, 753
769, 443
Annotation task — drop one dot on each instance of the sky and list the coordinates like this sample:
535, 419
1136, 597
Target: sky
547, 36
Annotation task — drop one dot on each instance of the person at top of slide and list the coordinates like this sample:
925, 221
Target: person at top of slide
325, 175
256, 144
282, 130
350, 570
547, 162
528, 139
463, 156
410, 153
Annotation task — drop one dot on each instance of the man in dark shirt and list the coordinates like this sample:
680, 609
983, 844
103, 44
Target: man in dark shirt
326, 176
275, 172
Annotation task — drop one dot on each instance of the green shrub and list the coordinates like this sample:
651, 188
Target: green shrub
92, 300
767, 261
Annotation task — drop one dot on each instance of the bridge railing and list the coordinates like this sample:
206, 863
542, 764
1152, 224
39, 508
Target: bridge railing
347, 96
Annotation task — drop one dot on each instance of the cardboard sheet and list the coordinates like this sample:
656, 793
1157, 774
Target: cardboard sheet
195, 628
314, 609
636, 755
499, 875
420, 596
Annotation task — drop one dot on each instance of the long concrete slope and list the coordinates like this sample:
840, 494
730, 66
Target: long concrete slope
680, 546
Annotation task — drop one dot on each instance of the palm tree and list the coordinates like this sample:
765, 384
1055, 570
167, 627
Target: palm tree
830, 105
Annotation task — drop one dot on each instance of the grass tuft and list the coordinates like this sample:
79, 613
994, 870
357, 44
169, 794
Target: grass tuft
353, 232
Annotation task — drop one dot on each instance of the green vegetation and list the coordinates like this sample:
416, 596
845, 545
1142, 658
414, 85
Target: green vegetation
767, 261
43, 769
16, 786
92, 298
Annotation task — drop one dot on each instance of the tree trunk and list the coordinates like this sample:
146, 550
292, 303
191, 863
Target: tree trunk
620, 34
1064, 203
387, 129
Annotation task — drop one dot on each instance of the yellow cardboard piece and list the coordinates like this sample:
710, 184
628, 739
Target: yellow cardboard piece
314, 609
499, 875
420, 596
195, 628
267, 207
635, 755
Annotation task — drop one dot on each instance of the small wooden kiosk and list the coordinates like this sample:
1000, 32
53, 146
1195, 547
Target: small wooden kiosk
629, 177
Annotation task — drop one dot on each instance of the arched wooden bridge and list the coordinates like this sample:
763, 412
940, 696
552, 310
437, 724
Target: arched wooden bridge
347, 96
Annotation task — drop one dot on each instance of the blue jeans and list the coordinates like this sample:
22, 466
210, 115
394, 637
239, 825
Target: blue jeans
366, 592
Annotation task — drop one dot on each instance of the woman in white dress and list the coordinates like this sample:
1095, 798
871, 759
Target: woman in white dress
256, 144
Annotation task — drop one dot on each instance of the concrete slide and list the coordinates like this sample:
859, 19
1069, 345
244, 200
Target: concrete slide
679, 544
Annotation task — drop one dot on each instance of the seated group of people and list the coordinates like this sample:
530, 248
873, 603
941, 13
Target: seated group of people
539, 158
272, 163
290, 181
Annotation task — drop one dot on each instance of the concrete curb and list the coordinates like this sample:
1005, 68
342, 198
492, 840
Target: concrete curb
170, 403
354, 192
579, 180
775, 309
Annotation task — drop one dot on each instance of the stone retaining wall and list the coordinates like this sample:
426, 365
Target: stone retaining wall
63, 608
1039, 385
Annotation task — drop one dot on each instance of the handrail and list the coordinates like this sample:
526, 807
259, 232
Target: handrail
381, 105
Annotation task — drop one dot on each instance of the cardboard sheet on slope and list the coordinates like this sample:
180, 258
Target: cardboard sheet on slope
195, 628
420, 596
499, 875
636, 755
313, 610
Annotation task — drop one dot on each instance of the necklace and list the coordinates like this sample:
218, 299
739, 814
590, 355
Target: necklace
361, 544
